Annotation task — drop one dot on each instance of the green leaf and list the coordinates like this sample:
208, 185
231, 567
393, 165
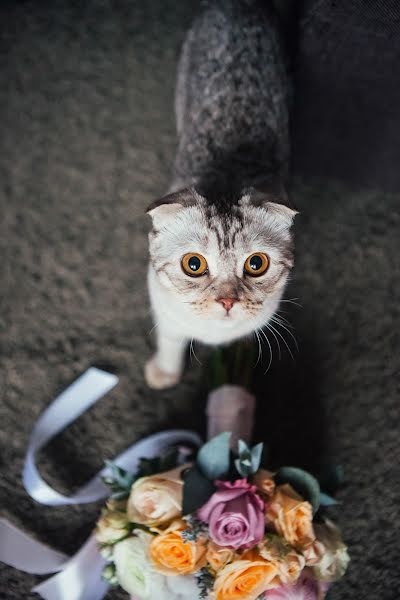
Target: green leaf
243, 467
242, 447
302, 482
205, 581
256, 454
249, 459
326, 500
118, 479
197, 490
213, 457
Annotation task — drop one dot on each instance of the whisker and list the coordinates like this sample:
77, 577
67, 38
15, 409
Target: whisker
286, 329
270, 350
276, 339
194, 353
153, 328
293, 301
284, 341
259, 349
279, 317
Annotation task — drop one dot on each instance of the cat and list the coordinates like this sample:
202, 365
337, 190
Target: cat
221, 243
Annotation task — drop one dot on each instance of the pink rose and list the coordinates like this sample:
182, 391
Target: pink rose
306, 588
235, 515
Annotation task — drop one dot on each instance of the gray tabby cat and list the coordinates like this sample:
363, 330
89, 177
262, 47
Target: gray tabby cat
221, 242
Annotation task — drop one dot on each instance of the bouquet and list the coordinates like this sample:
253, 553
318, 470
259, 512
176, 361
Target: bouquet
218, 526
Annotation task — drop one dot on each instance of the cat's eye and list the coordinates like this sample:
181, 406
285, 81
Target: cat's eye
256, 264
194, 264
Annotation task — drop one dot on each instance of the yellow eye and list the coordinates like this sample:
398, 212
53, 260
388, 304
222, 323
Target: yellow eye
256, 264
194, 264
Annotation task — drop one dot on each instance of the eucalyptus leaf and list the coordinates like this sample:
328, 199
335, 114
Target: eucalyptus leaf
213, 458
242, 447
327, 500
197, 490
302, 482
118, 477
256, 454
243, 467
249, 459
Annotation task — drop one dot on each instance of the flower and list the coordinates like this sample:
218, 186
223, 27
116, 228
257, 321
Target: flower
306, 588
218, 556
291, 567
135, 572
291, 517
289, 563
264, 482
112, 526
234, 514
172, 555
334, 561
245, 579
314, 553
183, 588
157, 499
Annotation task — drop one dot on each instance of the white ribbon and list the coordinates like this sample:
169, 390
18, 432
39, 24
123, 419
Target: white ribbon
79, 577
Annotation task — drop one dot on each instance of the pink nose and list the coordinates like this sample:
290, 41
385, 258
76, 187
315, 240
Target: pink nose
227, 303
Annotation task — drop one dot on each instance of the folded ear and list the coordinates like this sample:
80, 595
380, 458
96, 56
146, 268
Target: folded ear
271, 195
165, 208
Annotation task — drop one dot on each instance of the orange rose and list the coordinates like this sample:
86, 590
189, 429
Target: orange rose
245, 579
218, 556
291, 517
172, 555
264, 482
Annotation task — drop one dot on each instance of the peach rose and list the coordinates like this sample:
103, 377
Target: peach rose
335, 559
288, 562
218, 556
314, 553
291, 517
156, 500
172, 555
245, 579
264, 482
291, 567
113, 524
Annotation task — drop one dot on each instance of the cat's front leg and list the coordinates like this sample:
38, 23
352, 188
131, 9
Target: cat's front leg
165, 368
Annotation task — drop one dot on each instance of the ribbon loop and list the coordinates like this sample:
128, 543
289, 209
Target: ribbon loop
79, 577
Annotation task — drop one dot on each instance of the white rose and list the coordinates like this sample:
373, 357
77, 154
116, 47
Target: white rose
135, 571
182, 587
334, 561
111, 527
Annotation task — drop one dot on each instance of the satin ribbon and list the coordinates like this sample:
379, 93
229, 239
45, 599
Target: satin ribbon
79, 577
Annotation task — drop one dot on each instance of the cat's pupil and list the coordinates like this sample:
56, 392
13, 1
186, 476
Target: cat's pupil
194, 263
256, 263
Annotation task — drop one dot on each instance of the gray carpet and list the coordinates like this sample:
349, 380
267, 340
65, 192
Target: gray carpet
86, 93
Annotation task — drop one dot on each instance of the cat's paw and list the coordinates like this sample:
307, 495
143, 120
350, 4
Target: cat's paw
156, 378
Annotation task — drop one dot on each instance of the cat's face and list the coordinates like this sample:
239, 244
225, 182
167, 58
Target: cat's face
228, 270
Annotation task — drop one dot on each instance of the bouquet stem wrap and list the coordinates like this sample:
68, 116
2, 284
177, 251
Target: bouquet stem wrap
231, 408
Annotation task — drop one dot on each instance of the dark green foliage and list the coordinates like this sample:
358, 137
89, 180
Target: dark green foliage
205, 581
197, 489
302, 482
119, 480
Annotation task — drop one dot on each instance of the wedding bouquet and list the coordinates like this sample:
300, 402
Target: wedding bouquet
218, 526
